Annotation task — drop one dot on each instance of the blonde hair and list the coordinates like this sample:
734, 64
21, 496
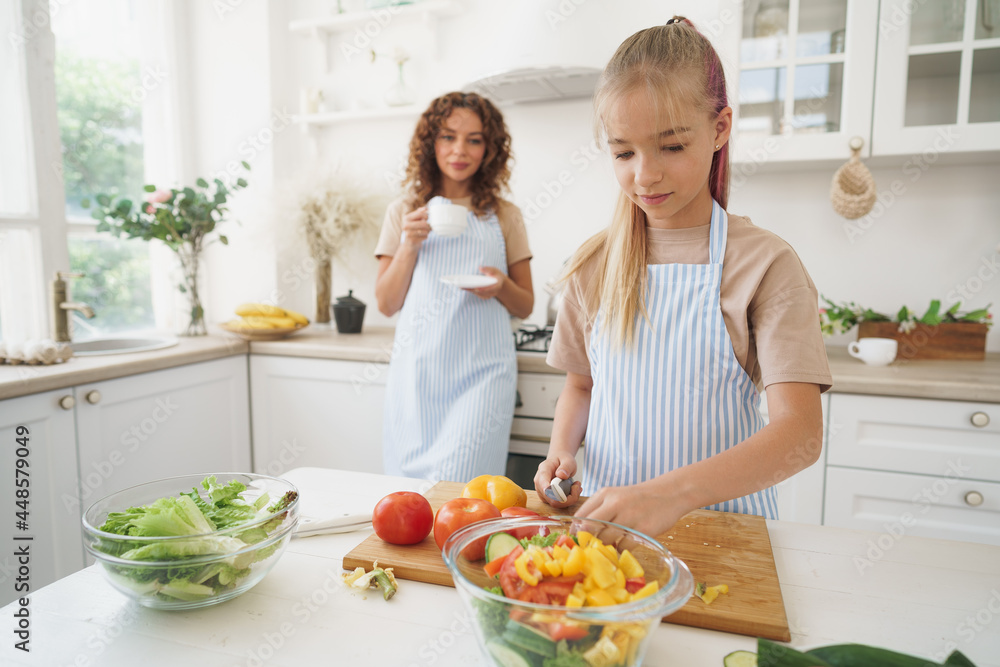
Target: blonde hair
675, 64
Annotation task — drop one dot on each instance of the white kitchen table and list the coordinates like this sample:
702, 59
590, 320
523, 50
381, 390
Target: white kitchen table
911, 594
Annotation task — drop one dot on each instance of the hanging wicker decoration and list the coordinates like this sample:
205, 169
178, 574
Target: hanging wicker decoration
853, 191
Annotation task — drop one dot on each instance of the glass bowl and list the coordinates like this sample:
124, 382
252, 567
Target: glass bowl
512, 632
196, 570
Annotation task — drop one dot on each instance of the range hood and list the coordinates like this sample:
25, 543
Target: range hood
537, 84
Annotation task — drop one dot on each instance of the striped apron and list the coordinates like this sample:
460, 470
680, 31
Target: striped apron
679, 395
452, 380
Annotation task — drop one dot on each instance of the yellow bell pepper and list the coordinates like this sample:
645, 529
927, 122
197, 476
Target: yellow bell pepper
521, 565
629, 565
646, 590
497, 489
574, 563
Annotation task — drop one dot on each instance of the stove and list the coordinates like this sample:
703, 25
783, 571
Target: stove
533, 338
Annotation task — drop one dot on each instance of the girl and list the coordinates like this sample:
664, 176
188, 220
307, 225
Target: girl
675, 313
453, 375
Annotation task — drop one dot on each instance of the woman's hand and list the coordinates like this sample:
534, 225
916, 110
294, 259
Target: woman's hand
562, 466
415, 228
640, 506
493, 290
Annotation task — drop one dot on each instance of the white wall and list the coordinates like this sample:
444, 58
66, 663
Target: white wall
939, 233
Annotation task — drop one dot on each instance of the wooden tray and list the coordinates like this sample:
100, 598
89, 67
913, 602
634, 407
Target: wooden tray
261, 334
718, 547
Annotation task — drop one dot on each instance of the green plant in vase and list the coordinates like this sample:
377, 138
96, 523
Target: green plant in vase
183, 219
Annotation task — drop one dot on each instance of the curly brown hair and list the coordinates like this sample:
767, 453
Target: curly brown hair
423, 176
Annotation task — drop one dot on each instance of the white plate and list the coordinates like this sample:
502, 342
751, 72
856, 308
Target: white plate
470, 281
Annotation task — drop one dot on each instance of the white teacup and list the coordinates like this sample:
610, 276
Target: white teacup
447, 219
874, 351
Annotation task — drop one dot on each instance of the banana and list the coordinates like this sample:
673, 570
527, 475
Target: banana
265, 310
260, 310
298, 317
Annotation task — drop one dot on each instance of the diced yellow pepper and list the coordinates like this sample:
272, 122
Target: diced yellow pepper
619, 594
553, 567
538, 556
574, 563
619, 579
629, 565
497, 489
712, 592
574, 601
579, 591
560, 553
599, 598
583, 538
521, 565
611, 553
588, 583
601, 569
646, 590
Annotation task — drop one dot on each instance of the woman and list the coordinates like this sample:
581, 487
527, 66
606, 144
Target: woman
452, 379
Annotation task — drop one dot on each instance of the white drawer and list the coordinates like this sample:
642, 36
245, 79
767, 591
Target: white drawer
928, 437
897, 504
539, 392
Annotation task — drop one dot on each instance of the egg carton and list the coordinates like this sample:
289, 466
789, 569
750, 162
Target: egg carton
35, 352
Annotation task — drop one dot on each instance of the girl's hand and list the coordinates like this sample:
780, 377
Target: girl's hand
638, 506
563, 467
415, 228
489, 291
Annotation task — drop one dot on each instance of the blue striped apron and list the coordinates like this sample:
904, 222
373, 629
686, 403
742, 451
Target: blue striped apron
452, 380
679, 395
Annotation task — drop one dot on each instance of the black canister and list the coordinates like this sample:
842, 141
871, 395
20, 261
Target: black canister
349, 313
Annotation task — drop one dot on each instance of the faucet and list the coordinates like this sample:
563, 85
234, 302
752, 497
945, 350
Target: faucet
61, 307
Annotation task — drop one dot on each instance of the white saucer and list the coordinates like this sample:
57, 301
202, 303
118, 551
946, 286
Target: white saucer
470, 281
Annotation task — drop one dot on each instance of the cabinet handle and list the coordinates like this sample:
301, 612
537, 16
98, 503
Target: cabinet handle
980, 419
973, 499
93, 397
67, 402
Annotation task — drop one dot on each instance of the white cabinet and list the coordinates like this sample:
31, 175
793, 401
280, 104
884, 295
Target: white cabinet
805, 78
938, 77
179, 421
53, 521
88, 441
927, 467
316, 412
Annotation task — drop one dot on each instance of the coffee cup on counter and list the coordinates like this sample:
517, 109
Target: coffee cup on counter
874, 351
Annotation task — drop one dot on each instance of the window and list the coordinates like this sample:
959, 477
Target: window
99, 94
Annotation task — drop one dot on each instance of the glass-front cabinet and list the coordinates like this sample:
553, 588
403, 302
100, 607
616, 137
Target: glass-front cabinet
938, 79
806, 77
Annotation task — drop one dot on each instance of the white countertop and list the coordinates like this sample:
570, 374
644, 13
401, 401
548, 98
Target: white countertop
909, 594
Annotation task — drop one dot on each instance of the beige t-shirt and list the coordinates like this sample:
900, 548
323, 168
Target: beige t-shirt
512, 227
769, 304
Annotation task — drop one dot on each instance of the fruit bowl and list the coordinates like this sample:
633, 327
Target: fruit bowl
206, 565
516, 632
247, 333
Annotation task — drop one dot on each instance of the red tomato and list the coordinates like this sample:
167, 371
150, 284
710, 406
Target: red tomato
458, 513
567, 631
557, 589
566, 541
403, 517
634, 584
521, 533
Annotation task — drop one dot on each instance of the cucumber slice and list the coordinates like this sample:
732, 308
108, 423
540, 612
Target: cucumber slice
740, 659
499, 545
505, 656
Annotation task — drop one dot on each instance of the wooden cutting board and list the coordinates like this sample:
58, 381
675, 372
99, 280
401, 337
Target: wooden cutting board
718, 547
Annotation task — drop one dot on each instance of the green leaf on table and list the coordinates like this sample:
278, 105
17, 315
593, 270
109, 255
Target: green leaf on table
201, 183
903, 314
975, 315
246, 165
149, 188
956, 659
103, 200
224, 239
954, 308
241, 182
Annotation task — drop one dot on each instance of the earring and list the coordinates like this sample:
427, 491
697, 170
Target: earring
716, 146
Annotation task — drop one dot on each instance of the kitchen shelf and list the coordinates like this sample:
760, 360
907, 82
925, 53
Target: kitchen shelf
329, 25
335, 117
